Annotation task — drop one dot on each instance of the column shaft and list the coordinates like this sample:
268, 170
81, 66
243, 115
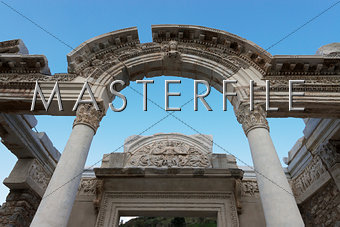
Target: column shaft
278, 201
57, 202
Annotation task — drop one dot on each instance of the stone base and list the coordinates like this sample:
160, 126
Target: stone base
19, 208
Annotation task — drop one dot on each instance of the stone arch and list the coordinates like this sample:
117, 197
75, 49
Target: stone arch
178, 50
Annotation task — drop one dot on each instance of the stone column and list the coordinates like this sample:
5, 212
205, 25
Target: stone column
56, 204
278, 201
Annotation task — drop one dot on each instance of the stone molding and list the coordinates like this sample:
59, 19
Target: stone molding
176, 50
251, 119
113, 202
88, 115
169, 150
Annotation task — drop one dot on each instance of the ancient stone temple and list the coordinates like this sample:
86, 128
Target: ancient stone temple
172, 174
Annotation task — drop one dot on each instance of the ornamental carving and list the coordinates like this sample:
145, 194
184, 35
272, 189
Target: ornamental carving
251, 119
329, 153
87, 186
250, 188
168, 151
38, 175
309, 175
88, 115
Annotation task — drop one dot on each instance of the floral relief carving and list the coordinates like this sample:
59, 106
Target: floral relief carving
88, 115
251, 119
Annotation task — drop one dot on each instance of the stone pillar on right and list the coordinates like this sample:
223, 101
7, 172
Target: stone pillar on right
278, 201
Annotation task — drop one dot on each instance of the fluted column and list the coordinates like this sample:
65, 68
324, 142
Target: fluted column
56, 204
278, 202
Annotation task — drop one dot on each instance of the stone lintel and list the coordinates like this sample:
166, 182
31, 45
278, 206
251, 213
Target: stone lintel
168, 172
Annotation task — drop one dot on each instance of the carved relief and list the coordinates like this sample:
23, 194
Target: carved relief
168, 153
88, 115
169, 150
251, 119
87, 186
38, 175
309, 175
250, 188
329, 153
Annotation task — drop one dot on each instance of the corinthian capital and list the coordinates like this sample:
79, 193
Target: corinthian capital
88, 115
251, 119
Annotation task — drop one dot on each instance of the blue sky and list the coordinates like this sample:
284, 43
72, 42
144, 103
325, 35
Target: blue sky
263, 22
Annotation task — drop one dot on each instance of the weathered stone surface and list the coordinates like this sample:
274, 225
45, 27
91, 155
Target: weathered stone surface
332, 49
323, 208
19, 208
16, 46
28, 174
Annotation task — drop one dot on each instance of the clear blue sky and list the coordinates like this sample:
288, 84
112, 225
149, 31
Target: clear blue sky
263, 22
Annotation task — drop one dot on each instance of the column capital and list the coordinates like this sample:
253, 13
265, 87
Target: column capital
251, 119
88, 115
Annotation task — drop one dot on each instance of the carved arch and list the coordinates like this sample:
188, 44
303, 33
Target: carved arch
178, 50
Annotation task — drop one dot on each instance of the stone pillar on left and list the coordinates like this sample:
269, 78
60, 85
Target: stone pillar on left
57, 202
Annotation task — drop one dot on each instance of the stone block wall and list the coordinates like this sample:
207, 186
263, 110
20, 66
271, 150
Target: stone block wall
323, 208
19, 208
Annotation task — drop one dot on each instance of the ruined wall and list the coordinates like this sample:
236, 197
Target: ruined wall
19, 208
323, 208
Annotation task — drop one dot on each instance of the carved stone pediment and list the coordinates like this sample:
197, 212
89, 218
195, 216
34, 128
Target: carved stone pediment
168, 150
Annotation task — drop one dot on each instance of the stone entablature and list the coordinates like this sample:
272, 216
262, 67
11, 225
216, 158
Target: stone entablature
168, 150
177, 50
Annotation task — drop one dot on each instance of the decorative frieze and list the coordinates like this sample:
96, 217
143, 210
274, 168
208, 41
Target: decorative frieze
88, 115
313, 171
251, 119
168, 150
